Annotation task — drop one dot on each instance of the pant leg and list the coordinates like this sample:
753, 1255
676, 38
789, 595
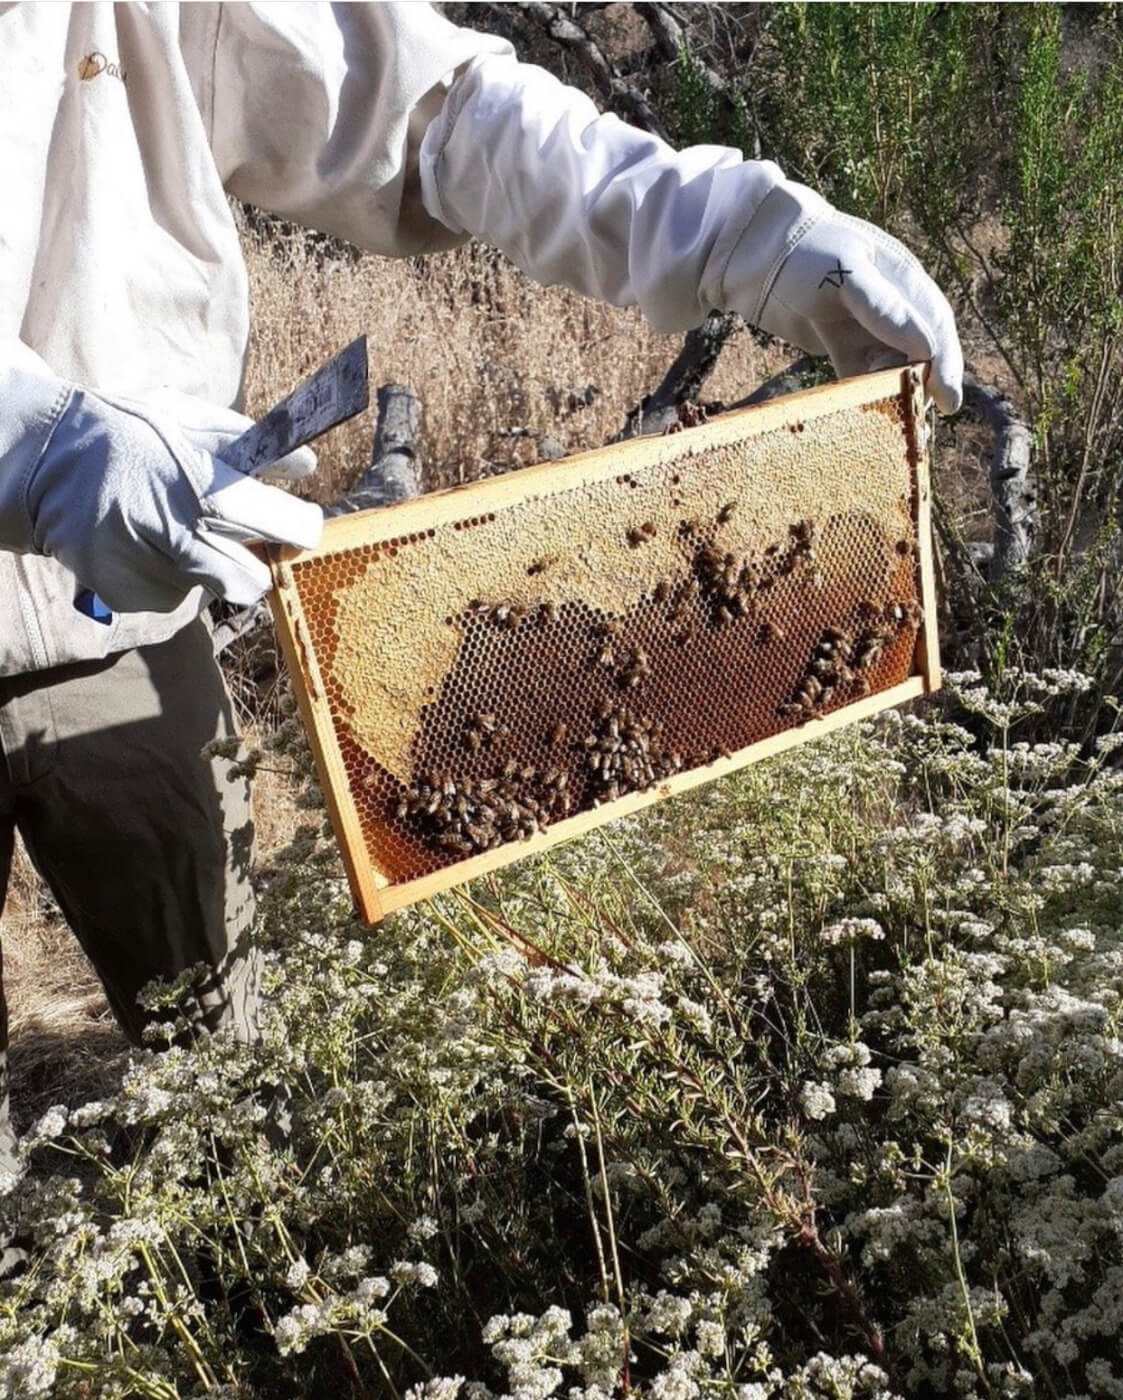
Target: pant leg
8, 1161
145, 843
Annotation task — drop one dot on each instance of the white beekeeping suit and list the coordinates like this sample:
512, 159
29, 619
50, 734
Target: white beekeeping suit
123, 331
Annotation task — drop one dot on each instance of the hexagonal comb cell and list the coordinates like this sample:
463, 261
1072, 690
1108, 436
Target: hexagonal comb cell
487, 670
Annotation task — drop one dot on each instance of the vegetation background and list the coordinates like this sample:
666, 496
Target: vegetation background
809, 1085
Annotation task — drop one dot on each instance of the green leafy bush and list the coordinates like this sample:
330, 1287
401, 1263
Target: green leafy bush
990, 138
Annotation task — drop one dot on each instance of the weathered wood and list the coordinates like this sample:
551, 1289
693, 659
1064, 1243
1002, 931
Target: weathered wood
393, 472
561, 24
788, 381
683, 381
1011, 477
228, 629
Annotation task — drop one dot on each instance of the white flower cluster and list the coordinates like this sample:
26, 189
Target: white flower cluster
354, 1311
850, 930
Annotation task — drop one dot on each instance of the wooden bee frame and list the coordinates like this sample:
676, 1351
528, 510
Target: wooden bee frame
492, 669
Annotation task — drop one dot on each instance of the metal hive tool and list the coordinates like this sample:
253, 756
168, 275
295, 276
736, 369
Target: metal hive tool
489, 670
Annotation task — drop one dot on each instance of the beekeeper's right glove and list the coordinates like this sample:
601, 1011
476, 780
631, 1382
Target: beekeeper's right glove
130, 497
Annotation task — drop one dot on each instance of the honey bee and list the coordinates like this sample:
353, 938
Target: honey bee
867, 651
662, 591
473, 738
725, 514
770, 632
558, 733
550, 611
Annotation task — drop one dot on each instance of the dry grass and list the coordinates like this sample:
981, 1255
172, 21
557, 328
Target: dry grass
484, 347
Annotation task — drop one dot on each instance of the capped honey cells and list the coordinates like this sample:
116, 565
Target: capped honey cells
547, 647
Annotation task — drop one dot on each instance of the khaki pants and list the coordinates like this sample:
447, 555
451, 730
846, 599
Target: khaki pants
145, 844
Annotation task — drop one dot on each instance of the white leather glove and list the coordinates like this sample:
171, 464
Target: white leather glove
529, 165
841, 287
132, 499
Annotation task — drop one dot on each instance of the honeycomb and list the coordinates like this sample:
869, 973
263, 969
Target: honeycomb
541, 650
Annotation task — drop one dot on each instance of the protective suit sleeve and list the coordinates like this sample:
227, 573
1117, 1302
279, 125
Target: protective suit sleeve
32, 400
319, 110
572, 196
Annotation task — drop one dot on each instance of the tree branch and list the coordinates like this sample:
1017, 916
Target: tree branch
621, 94
670, 39
791, 378
1011, 477
683, 381
393, 471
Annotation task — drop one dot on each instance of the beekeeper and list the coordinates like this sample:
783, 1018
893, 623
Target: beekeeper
124, 322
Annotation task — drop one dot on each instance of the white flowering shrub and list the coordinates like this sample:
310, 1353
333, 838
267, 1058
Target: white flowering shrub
806, 1085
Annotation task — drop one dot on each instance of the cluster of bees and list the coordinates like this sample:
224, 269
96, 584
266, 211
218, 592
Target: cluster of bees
470, 815
732, 584
630, 665
511, 615
841, 660
484, 732
623, 751
624, 754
